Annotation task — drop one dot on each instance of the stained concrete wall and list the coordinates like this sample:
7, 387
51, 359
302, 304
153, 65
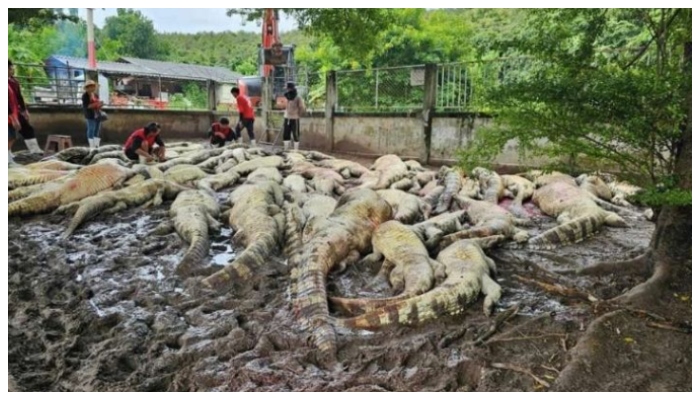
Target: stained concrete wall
370, 135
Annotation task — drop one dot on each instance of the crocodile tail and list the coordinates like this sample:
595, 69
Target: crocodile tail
34, 204
83, 213
570, 232
241, 269
363, 305
196, 252
309, 303
293, 242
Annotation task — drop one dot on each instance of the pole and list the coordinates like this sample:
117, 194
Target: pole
92, 61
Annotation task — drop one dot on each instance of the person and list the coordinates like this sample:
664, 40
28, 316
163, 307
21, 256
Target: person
92, 106
220, 133
295, 108
26, 129
140, 146
246, 115
12, 122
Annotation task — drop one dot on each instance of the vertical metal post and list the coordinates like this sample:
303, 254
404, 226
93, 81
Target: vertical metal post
160, 90
376, 89
430, 89
331, 101
92, 60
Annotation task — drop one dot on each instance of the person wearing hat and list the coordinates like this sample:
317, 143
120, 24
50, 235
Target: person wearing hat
25, 129
141, 144
91, 109
295, 108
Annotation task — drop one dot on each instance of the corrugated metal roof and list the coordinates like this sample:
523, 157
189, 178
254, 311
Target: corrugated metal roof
140, 67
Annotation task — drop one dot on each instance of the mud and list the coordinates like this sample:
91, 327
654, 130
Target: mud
104, 311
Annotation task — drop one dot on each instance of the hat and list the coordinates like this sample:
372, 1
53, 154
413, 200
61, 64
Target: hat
89, 82
290, 85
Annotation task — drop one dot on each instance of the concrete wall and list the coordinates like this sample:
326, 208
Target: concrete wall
370, 135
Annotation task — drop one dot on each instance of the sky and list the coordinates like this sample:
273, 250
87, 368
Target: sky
191, 20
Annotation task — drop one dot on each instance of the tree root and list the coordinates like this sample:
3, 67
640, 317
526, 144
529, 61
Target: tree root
649, 291
632, 266
497, 323
522, 370
558, 289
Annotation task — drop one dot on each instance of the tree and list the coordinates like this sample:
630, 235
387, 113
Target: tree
608, 94
352, 29
136, 33
37, 17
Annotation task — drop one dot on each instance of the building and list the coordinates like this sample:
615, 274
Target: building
139, 83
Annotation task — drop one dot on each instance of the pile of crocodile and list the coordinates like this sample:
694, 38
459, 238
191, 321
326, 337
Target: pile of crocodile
424, 232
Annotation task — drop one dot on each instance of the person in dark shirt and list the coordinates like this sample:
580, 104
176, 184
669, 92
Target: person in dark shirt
220, 133
26, 129
140, 144
91, 110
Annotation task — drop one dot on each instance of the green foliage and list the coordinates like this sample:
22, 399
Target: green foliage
136, 34
623, 107
192, 97
36, 18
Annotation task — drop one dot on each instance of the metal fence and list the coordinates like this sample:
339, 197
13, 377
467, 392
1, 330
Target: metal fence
465, 86
64, 85
311, 86
381, 89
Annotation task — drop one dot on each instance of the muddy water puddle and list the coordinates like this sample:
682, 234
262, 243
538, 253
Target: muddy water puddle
103, 310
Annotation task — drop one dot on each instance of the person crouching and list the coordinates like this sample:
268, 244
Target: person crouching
141, 145
220, 133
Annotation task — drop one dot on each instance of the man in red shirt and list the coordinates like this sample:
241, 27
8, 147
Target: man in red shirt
246, 115
139, 145
13, 124
220, 133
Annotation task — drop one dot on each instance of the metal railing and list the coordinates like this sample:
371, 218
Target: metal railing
394, 89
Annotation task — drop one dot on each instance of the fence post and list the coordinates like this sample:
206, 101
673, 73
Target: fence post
331, 101
265, 103
211, 95
430, 95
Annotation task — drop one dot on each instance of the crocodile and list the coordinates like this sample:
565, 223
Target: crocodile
265, 173
184, 173
315, 155
390, 169
24, 191
407, 207
452, 181
353, 169
230, 177
470, 188
258, 223
324, 180
19, 177
316, 208
491, 184
194, 213
414, 165
521, 189
118, 154
487, 219
73, 155
433, 196
84, 183
194, 157
431, 231
152, 191
595, 186
213, 162
343, 236
468, 273
238, 156
53, 164
541, 178
144, 172
576, 212
295, 183
294, 158
404, 184
407, 264
424, 177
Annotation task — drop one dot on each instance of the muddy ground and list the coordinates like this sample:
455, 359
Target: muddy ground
104, 311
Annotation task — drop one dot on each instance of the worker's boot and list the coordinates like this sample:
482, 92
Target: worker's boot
296, 146
11, 159
96, 142
252, 143
286, 145
33, 146
91, 143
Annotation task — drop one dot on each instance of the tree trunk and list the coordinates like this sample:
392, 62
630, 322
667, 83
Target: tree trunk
671, 242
